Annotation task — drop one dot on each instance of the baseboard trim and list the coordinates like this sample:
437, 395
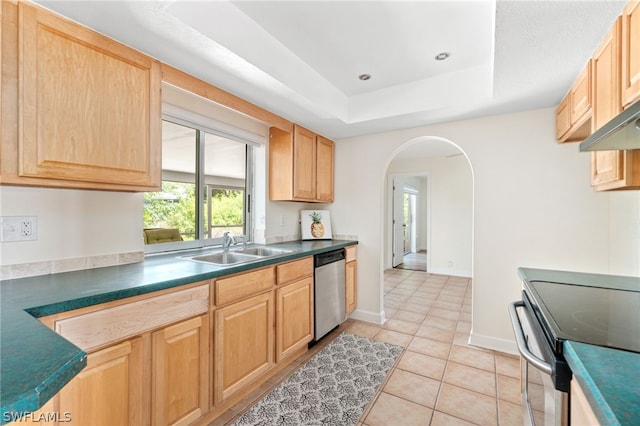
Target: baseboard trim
494, 343
452, 272
368, 316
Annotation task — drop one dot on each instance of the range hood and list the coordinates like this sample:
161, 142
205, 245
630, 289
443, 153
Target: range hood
622, 132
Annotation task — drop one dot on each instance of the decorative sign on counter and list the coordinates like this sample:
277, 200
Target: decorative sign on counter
316, 224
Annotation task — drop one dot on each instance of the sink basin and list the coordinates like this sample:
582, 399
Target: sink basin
234, 257
225, 259
262, 251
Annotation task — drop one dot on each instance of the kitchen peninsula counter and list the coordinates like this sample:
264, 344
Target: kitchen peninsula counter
36, 362
609, 379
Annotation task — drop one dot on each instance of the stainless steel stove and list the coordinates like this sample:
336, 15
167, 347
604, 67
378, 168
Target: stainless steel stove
556, 306
595, 315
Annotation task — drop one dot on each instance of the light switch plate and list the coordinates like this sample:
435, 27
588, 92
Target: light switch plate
18, 228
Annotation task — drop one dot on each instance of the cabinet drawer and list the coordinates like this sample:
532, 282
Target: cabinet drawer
99, 328
293, 270
244, 285
350, 254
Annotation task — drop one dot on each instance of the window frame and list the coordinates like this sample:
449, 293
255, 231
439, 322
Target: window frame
201, 130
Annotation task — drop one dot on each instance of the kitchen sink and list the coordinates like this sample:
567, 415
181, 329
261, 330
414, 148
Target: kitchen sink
234, 257
225, 258
262, 251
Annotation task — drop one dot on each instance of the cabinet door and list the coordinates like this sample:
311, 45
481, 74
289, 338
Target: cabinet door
580, 95
580, 409
294, 326
109, 391
243, 344
90, 108
573, 115
179, 380
324, 169
631, 53
563, 119
351, 286
304, 164
606, 167
606, 78
615, 170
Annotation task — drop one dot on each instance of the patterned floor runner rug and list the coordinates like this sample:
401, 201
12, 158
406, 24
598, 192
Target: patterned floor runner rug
333, 388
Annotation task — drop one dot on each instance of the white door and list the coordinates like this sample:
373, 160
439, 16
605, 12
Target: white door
413, 223
398, 224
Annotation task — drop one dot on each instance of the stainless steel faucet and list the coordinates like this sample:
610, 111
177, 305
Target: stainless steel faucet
227, 241
244, 240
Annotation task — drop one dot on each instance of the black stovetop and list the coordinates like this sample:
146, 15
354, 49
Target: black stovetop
584, 313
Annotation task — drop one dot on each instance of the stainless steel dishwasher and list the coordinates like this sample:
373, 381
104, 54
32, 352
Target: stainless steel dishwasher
329, 292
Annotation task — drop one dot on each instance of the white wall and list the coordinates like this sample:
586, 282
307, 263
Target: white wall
448, 214
87, 228
624, 253
533, 206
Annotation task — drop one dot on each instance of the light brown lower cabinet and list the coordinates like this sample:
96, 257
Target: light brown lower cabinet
581, 412
243, 344
182, 356
294, 325
148, 360
351, 279
180, 372
351, 297
109, 391
114, 387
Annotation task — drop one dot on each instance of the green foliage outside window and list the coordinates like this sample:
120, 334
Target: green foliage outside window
226, 207
174, 207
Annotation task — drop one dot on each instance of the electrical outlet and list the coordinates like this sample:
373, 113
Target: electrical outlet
18, 228
26, 228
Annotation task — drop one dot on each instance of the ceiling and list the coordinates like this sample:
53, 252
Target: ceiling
302, 59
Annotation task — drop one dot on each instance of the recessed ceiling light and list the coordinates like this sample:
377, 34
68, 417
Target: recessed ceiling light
364, 77
442, 56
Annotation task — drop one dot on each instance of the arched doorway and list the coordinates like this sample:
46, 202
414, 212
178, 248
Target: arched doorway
438, 174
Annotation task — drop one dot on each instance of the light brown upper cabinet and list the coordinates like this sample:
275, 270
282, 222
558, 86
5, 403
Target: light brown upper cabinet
82, 110
324, 169
610, 169
573, 115
631, 53
300, 166
606, 78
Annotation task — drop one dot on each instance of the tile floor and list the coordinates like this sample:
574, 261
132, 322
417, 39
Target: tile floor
439, 379
414, 261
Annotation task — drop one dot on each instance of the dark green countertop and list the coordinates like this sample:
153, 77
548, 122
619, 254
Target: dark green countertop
610, 378
35, 362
